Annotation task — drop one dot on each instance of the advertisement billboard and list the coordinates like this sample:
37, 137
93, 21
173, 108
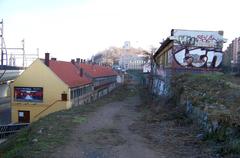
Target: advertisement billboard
28, 94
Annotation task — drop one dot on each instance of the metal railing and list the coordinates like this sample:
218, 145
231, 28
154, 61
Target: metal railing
46, 108
7, 130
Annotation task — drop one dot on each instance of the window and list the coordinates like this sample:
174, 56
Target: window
166, 59
75, 93
23, 116
81, 92
170, 57
72, 94
64, 96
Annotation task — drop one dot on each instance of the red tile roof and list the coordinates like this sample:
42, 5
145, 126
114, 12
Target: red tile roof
68, 73
97, 70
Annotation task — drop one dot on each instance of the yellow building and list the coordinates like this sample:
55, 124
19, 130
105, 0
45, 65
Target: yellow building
45, 87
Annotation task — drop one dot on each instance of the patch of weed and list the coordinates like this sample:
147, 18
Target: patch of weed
79, 119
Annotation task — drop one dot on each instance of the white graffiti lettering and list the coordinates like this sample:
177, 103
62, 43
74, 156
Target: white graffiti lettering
198, 58
199, 41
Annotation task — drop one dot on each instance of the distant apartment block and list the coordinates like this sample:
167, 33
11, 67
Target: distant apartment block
232, 53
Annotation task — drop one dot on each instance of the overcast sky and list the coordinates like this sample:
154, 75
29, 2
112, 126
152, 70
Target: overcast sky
80, 28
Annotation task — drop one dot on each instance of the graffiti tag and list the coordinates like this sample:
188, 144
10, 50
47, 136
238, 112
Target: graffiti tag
199, 41
186, 40
206, 38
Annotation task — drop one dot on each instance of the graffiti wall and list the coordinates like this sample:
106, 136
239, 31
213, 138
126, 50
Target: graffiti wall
185, 49
160, 84
197, 48
159, 87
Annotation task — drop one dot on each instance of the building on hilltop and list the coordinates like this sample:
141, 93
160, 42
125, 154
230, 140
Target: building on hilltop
124, 58
132, 61
48, 86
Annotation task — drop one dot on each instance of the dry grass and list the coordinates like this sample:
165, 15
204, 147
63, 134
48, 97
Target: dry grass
219, 96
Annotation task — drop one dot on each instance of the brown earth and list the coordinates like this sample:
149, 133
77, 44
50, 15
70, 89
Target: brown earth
121, 130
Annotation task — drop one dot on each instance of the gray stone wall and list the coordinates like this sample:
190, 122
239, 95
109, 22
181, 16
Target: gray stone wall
201, 117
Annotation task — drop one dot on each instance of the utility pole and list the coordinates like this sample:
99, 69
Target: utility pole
1, 35
23, 45
38, 52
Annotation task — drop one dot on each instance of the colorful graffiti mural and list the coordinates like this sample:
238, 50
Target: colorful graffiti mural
185, 51
198, 57
197, 48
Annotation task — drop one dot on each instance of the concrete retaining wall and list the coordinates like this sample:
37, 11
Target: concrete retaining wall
201, 117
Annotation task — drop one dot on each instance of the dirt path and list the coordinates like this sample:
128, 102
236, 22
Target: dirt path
116, 131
